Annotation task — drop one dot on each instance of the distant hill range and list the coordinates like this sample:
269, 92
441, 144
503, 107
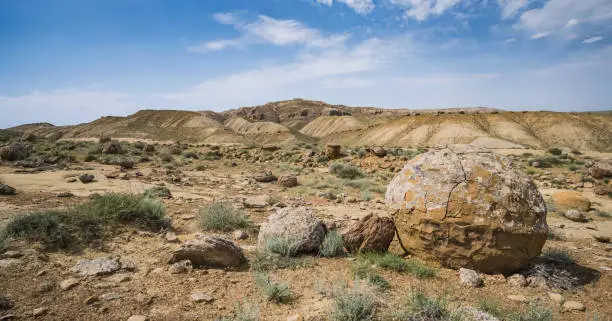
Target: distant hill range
311, 121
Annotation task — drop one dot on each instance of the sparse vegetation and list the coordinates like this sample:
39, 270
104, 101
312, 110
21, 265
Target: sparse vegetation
532, 313
346, 171
421, 307
558, 255
333, 245
281, 246
356, 304
273, 291
396, 263
555, 151
223, 216
363, 270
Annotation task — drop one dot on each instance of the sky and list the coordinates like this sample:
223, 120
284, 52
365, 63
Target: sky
73, 61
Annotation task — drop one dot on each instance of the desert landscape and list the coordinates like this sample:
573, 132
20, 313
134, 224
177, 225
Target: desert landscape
301, 210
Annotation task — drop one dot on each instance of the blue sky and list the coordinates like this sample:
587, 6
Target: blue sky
71, 61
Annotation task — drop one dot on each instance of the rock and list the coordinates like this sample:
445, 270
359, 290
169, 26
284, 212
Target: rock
7, 190
91, 299
470, 277
287, 181
569, 200
379, 151
39, 312
576, 216
270, 147
570, 306
158, 192
14, 152
171, 237
332, 151
86, 178
298, 225
516, 281
295, 317
121, 277
240, 235
265, 177
602, 189
4, 263
371, 233
181, 267
602, 238
536, 281
601, 170
468, 208
518, 298
201, 297
69, 284
96, 267
111, 296
473, 314
11, 255
138, 317
64, 195
556, 297
210, 251
113, 147
535, 164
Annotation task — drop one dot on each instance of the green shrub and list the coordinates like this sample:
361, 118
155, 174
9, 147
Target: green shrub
558, 255
333, 244
491, 306
355, 304
246, 311
48, 228
127, 208
396, 263
281, 246
157, 192
346, 171
425, 308
264, 262
223, 216
555, 151
533, 313
166, 157
273, 291
363, 270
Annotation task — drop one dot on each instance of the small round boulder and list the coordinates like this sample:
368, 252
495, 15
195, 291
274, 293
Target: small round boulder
468, 208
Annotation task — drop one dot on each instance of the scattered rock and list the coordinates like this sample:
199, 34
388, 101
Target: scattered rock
556, 297
518, 298
265, 177
240, 235
570, 306
181, 267
473, 314
295, 317
96, 267
110, 296
210, 251
39, 312
602, 238
516, 281
4, 263
171, 237
371, 233
299, 225
11, 255
91, 299
332, 151
121, 277
113, 147
7, 190
138, 317
379, 151
569, 200
288, 181
201, 297
69, 284
86, 178
470, 277
576, 216
601, 170
468, 208
64, 195
14, 152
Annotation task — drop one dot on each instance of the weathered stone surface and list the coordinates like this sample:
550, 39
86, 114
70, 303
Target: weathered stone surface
86, 178
371, 233
7, 190
569, 306
265, 177
516, 281
96, 267
379, 151
299, 225
201, 297
138, 318
69, 284
601, 170
287, 181
470, 278
468, 208
332, 151
210, 251
568, 200
575, 215
14, 152
473, 314
181, 267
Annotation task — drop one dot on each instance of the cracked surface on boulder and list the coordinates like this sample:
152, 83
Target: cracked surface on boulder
468, 208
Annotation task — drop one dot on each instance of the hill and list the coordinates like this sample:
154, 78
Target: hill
306, 120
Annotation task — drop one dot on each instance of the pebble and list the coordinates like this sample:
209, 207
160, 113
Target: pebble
138, 318
40, 311
602, 238
295, 317
470, 277
110, 296
180, 267
11, 255
556, 297
240, 235
91, 299
517, 281
121, 277
171, 237
201, 297
8, 262
573, 306
69, 284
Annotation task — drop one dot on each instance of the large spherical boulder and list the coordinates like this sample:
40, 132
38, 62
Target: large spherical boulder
468, 208
297, 225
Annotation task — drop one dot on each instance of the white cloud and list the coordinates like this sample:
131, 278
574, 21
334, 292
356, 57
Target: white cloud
360, 6
593, 39
511, 7
556, 15
326, 2
510, 40
540, 35
422, 9
269, 30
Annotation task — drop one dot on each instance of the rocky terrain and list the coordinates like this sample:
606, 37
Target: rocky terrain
298, 120
306, 216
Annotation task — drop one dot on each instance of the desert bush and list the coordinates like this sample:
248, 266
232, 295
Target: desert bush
396, 263
115, 208
421, 307
346, 171
555, 151
223, 216
190, 154
356, 304
533, 313
554, 235
492, 307
558, 255
201, 167
263, 261
281, 246
273, 291
333, 245
604, 214
166, 157
273, 199
157, 192
139, 145
243, 311
546, 162
48, 228
363, 270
